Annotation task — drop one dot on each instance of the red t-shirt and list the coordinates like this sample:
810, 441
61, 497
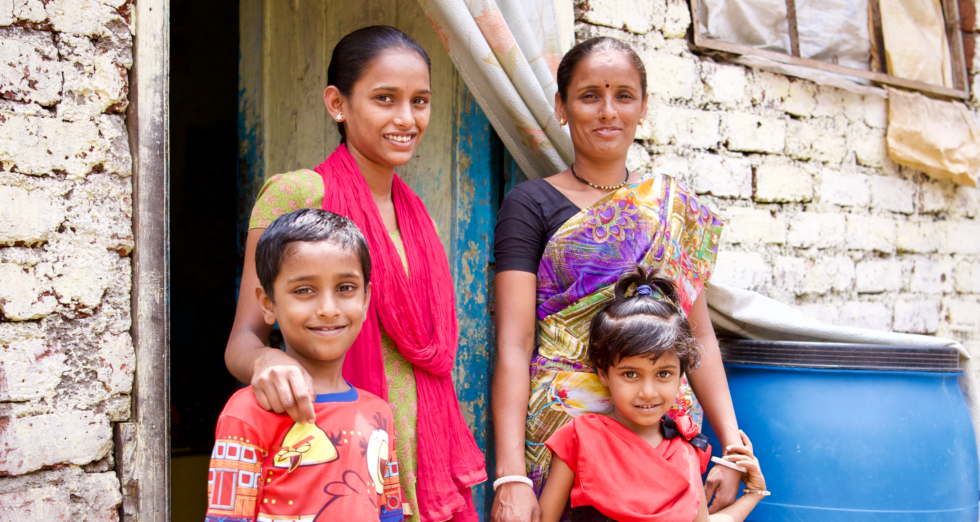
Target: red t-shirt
265, 467
626, 478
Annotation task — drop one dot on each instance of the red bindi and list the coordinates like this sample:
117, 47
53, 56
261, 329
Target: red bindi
607, 85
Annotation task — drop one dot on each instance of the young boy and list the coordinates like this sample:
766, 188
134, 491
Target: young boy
315, 270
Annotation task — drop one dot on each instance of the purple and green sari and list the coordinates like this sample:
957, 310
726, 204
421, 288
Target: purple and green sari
657, 223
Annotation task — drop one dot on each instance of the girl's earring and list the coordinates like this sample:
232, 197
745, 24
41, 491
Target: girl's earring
561, 122
340, 118
640, 122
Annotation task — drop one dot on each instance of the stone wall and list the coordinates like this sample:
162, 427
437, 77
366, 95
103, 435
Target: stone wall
66, 356
819, 216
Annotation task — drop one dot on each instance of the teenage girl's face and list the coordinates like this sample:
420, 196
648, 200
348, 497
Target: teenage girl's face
387, 111
603, 106
643, 390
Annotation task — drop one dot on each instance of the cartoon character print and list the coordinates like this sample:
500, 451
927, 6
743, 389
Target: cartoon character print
376, 452
306, 445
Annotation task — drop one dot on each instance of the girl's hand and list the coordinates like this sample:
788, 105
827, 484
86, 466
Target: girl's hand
280, 384
742, 455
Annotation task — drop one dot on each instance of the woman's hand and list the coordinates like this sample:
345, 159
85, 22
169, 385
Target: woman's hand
515, 502
721, 487
280, 384
742, 455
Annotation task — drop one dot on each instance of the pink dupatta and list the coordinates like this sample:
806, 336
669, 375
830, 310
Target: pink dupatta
418, 311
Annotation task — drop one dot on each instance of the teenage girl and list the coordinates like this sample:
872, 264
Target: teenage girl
378, 95
644, 461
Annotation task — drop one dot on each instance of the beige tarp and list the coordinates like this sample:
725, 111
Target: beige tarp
915, 41
940, 138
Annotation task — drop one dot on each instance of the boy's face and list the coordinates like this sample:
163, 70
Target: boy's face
321, 301
643, 390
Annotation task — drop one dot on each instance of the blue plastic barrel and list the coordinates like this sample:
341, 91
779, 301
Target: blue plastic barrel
855, 432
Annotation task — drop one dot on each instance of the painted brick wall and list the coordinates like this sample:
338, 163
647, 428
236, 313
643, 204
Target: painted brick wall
819, 216
66, 357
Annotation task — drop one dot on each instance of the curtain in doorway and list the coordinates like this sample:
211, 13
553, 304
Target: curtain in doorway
507, 52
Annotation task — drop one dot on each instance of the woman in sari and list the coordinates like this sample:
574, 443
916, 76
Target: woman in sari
561, 244
379, 96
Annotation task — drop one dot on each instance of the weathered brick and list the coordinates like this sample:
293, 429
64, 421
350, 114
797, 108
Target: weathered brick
876, 276
962, 313
31, 443
671, 165
677, 19
6, 12
95, 76
684, 127
967, 277
823, 312
869, 145
780, 180
801, 100
788, 273
27, 217
747, 270
41, 146
670, 76
962, 237
638, 159
67, 493
893, 193
753, 226
35, 505
848, 188
871, 315
747, 132
635, 17
921, 237
916, 315
870, 233
23, 296
725, 84
29, 66
808, 230
816, 139
31, 369
876, 112
117, 361
830, 101
932, 198
721, 176
931, 277
828, 273
767, 89
967, 201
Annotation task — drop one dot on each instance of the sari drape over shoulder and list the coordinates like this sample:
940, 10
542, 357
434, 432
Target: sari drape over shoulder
657, 223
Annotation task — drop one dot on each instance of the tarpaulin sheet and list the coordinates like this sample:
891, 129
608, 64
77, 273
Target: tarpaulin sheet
915, 41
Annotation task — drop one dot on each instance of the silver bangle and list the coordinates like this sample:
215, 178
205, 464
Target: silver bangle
512, 478
757, 492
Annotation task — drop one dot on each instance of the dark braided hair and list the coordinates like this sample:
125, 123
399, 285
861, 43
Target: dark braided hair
642, 325
354, 53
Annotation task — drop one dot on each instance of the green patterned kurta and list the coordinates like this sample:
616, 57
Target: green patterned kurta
284, 193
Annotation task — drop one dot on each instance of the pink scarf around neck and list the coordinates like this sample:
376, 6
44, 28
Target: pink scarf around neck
418, 311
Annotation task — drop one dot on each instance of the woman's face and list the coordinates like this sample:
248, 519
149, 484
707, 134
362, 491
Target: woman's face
387, 111
603, 105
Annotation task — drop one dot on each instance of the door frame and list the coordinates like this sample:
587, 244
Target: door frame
142, 445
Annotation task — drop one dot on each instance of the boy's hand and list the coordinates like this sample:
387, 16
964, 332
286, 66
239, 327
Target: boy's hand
742, 455
280, 384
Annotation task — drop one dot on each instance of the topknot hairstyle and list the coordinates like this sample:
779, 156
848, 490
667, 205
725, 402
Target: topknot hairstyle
356, 50
638, 325
308, 224
584, 49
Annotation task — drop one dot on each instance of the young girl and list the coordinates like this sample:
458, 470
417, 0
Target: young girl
644, 461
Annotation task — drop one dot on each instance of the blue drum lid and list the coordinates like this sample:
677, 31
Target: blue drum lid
844, 356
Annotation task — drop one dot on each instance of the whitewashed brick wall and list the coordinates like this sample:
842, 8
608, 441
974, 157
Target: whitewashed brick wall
66, 357
819, 216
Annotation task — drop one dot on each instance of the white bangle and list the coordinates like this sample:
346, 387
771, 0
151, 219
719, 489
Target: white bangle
512, 478
756, 492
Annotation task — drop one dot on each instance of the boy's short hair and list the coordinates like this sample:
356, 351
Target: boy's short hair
308, 224
645, 324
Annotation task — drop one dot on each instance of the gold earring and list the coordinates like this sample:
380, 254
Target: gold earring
640, 122
561, 122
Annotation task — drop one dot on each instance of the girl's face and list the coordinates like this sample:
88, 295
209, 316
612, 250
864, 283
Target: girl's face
603, 106
387, 111
643, 390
